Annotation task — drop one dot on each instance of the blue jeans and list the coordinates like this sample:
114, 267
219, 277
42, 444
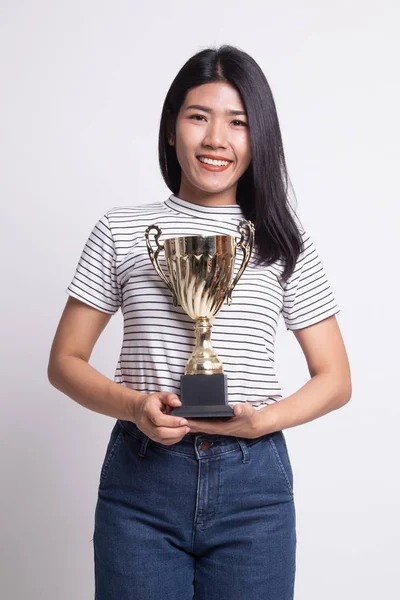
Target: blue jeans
211, 517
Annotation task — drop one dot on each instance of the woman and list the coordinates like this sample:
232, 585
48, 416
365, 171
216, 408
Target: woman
202, 508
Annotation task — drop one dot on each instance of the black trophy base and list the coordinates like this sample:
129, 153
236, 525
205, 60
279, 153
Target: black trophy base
203, 396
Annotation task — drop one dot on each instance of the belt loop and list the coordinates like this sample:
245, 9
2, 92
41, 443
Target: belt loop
143, 445
244, 449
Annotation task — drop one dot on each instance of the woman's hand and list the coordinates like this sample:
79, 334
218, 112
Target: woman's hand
152, 416
244, 423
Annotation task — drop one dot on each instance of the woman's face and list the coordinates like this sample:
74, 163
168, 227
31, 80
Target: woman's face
212, 123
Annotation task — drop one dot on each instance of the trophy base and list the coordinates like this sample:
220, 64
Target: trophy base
203, 396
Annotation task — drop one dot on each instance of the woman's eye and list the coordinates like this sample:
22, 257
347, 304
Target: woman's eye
203, 117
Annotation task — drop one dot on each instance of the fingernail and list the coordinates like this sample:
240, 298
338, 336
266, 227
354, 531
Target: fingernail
183, 422
187, 429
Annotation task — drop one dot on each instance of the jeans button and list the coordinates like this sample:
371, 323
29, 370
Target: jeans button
205, 445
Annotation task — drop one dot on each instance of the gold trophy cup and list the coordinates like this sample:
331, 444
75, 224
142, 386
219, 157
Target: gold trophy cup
200, 272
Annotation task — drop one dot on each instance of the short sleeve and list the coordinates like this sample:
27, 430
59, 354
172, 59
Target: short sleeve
95, 279
308, 297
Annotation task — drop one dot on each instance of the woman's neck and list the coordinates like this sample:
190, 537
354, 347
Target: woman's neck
195, 196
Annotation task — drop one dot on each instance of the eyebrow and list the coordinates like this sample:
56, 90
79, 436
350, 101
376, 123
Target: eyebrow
209, 110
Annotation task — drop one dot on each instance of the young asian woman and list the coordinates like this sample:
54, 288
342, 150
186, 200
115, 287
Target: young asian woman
202, 508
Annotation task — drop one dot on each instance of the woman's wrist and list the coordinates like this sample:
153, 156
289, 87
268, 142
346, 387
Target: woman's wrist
266, 421
131, 400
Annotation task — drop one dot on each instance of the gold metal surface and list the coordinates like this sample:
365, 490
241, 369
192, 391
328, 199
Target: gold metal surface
200, 272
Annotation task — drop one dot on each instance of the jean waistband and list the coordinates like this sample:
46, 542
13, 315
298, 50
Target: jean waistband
218, 444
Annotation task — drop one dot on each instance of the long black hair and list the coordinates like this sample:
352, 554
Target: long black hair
262, 190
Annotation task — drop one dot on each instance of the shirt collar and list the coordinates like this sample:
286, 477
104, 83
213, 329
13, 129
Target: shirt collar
226, 211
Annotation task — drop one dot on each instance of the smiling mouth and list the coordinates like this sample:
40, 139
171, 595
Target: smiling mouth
214, 162
214, 166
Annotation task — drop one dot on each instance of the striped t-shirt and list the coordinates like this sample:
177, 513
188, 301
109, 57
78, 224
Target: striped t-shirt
115, 271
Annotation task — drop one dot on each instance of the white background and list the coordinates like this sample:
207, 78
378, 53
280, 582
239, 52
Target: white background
83, 84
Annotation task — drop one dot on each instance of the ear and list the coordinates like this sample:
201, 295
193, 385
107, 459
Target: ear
170, 129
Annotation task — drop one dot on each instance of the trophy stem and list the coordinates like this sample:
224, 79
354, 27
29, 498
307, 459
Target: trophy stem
204, 360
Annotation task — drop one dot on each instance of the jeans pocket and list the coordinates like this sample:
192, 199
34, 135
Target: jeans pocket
113, 445
281, 455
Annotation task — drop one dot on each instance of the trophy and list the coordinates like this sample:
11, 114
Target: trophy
200, 272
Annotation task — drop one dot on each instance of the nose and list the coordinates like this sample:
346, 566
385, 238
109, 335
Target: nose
216, 136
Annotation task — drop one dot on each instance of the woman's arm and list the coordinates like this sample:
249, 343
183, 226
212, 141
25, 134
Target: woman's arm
329, 387
69, 371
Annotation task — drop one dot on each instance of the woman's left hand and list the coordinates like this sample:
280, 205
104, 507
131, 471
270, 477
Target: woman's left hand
244, 423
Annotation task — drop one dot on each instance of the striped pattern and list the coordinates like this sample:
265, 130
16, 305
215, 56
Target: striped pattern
114, 271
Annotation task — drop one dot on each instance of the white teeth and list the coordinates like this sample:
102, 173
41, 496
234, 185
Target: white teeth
210, 161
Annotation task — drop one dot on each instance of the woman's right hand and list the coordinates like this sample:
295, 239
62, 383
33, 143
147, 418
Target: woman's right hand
152, 416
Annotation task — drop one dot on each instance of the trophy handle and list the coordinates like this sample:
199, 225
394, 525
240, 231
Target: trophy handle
243, 227
154, 258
